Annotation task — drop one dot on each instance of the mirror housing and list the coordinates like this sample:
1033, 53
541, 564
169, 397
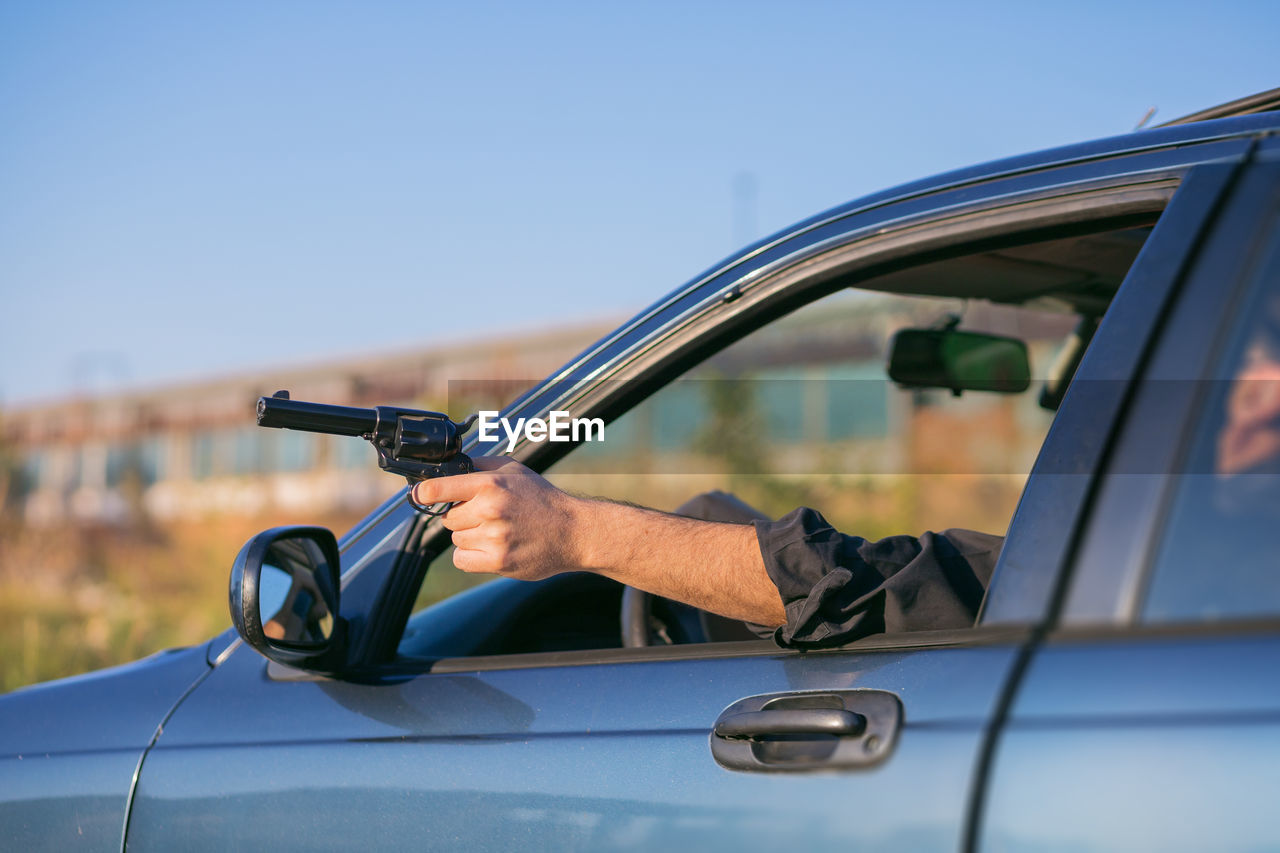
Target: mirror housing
294, 572
959, 361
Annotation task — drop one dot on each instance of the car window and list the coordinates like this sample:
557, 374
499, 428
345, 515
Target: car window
802, 413
1216, 560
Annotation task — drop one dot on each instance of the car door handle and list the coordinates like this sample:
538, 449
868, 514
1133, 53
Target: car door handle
807, 730
798, 721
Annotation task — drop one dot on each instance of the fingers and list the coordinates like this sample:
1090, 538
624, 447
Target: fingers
461, 516
460, 487
465, 516
469, 540
475, 551
472, 562
492, 538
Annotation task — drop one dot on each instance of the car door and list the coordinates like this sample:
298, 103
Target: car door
879, 743
1150, 717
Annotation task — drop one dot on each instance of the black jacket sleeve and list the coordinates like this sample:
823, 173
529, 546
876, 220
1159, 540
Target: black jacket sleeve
837, 588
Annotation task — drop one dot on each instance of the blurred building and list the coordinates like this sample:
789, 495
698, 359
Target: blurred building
195, 449
817, 382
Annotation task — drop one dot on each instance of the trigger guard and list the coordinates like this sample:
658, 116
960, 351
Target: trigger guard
425, 509
462, 462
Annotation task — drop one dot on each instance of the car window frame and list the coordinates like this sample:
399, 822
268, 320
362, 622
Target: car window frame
1055, 176
1119, 550
1142, 200
1034, 568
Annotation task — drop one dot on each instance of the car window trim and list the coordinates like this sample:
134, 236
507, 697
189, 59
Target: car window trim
740, 305
918, 640
1034, 174
1083, 634
809, 277
1095, 205
1259, 263
914, 641
1120, 544
1030, 577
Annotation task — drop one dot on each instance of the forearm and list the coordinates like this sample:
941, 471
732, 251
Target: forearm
712, 566
508, 520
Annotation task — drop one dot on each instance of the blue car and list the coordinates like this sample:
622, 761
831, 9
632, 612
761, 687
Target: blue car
1118, 690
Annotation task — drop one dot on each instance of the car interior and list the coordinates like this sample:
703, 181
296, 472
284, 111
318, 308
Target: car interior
801, 412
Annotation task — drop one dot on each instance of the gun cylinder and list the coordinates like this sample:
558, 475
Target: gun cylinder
315, 417
427, 439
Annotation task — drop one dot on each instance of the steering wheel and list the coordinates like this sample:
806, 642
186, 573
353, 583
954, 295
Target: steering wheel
649, 620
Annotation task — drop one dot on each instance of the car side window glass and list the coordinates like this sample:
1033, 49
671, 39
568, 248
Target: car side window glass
801, 413
1217, 558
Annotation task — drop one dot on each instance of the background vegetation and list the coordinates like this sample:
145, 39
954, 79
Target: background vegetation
79, 598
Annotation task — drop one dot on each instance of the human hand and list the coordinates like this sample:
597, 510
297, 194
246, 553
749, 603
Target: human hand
507, 520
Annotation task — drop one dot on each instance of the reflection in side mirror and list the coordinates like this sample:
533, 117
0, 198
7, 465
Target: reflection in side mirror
274, 586
284, 597
959, 361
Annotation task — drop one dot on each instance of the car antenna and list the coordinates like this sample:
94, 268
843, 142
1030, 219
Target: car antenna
1146, 117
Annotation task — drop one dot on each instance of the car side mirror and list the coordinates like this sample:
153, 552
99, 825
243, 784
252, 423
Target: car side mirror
959, 361
284, 597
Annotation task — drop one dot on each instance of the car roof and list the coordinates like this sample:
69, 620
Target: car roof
1262, 102
1107, 147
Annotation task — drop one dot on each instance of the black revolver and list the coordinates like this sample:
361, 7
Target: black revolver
416, 444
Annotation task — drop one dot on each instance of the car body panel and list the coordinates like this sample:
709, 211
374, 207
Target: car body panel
127, 702
1158, 743
597, 756
1161, 736
69, 750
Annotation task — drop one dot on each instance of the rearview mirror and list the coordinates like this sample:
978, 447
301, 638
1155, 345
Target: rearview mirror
284, 597
959, 361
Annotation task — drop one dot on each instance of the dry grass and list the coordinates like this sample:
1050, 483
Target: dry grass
75, 599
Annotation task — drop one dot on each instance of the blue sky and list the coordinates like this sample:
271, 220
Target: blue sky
196, 189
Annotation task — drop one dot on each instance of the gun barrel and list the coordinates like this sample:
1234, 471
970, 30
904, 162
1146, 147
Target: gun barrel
315, 417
